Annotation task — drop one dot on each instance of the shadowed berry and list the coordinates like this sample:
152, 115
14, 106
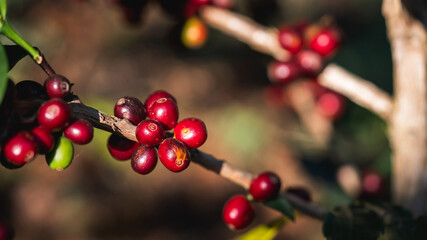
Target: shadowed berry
165, 111
174, 155
152, 98
57, 86
21, 148
144, 160
121, 148
29, 89
309, 62
130, 108
150, 133
43, 139
79, 132
238, 212
54, 115
192, 132
290, 40
265, 186
282, 72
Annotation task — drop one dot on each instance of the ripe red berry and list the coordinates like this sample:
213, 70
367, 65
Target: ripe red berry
43, 139
265, 186
330, 105
290, 40
174, 155
20, 149
150, 133
325, 42
79, 132
238, 212
309, 62
121, 148
54, 115
57, 86
299, 192
152, 98
29, 89
144, 160
372, 183
130, 108
165, 111
282, 72
192, 132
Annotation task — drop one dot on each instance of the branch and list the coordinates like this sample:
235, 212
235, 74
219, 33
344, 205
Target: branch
246, 30
357, 89
124, 128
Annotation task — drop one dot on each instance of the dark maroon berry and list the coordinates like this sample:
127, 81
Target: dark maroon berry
144, 160
165, 111
192, 132
265, 186
130, 108
290, 40
57, 86
79, 132
20, 149
310, 62
238, 212
174, 155
44, 139
283, 72
54, 115
150, 133
29, 89
121, 148
6, 231
299, 192
156, 96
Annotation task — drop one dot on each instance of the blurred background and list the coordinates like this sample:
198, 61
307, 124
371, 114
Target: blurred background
223, 83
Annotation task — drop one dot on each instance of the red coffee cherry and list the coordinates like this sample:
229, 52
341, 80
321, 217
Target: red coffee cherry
54, 115
192, 6
373, 183
6, 164
309, 62
283, 72
330, 105
57, 86
192, 132
152, 98
43, 139
130, 108
174, 155
299, 192
121, 148
265, 186
79, 132
238, 212
29, 89
150, 133
290, 40
20, 149
144, 160
325, 42
165, 111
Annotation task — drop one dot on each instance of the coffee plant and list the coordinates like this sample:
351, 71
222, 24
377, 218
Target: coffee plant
49, 120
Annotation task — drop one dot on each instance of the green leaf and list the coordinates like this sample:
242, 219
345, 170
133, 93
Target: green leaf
281, 204
265, 231
14, 54
4, 66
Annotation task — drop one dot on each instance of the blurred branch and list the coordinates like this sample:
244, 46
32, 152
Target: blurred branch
240, 177
357, 89
246, 30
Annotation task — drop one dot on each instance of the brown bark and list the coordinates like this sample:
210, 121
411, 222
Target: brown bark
408, 124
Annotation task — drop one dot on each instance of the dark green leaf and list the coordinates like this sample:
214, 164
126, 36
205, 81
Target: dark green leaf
419, 231
265, 231
4, 66
14, 54
281, 204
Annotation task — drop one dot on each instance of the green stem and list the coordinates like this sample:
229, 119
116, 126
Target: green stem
7, 30
3, 9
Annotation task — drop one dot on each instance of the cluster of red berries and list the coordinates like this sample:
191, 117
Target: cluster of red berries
162, 111
310, 46
36, 119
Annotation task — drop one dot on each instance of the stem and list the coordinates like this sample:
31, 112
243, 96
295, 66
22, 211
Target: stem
3, 9
10, 33
240, 177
